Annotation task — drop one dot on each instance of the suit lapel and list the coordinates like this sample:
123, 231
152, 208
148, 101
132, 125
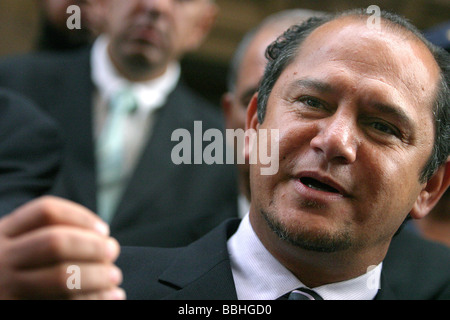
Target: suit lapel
203, 271
75, 94
386, 292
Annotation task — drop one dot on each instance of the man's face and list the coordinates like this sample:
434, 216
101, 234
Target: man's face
355, 130
158, 31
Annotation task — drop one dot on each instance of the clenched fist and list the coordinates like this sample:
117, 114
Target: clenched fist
55, 249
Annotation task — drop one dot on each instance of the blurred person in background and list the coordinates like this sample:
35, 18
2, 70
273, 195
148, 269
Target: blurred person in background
118, 104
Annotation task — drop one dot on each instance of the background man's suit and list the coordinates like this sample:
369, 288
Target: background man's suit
413, 269
165, 204
30, 151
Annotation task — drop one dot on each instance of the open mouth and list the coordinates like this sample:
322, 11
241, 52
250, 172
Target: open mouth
317, 185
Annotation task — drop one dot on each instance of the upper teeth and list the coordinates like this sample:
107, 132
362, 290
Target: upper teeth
317, 185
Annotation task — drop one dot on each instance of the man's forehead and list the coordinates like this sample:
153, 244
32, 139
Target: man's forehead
352, 28
358, 30
181, 2
383, 51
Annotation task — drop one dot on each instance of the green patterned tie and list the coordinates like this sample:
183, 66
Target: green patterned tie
110, 154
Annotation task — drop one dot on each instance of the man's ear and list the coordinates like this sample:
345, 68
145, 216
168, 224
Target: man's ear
251, 127
432, 192
210, 18
251, 121
204, 26
97, 15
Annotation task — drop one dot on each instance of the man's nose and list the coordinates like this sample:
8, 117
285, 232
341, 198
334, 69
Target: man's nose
337, 138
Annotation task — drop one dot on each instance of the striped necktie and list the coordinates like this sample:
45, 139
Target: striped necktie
110, 154
301, 294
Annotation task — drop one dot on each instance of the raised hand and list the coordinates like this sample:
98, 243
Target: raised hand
52, 248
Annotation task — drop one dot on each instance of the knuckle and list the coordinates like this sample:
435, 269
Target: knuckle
55, 243
100, 277
47, 212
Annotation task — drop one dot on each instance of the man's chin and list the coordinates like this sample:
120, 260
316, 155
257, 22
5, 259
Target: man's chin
311, 238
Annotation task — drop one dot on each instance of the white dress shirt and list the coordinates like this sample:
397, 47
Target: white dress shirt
259, 276
150, 95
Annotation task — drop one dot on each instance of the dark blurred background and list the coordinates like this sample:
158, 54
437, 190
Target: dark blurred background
206, 70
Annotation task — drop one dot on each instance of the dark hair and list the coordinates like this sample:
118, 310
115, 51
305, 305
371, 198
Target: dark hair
281, 18
282, 52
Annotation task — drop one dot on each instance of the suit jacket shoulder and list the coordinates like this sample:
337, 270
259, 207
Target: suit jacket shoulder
48, 78
200, 271
203, 107
416, 269
30, 151
61, 85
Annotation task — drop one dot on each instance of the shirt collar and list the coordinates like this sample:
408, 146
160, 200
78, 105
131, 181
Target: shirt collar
150, 94
259, 276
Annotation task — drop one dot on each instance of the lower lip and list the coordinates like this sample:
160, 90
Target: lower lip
315, 195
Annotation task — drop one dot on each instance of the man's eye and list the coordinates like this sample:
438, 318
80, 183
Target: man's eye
311, 102
382, 127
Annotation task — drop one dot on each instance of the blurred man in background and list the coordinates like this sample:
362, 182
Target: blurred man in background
118, 104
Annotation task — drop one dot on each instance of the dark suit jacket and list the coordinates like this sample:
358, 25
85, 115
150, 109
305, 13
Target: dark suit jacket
413, 269
30, 151
165, 205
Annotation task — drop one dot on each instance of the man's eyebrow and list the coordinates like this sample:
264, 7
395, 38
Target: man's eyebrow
398, 113
314, 84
